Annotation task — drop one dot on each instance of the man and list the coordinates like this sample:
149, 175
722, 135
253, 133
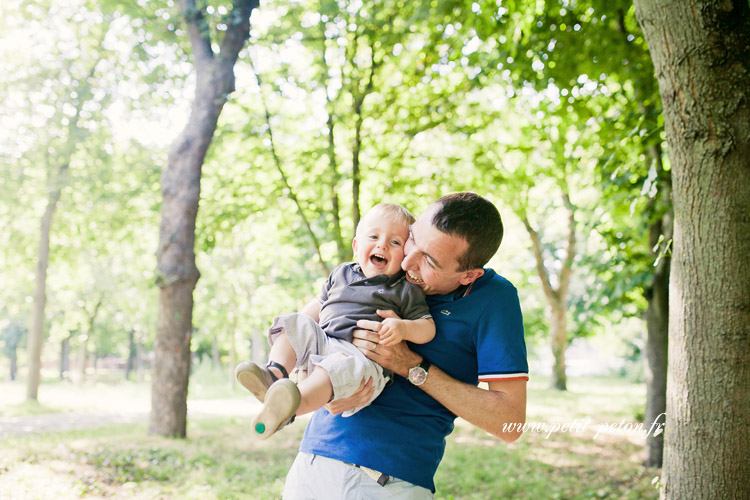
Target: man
392, 448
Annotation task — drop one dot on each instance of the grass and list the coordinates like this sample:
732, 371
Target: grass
219, 460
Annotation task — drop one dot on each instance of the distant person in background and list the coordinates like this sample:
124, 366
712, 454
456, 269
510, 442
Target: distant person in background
318, 340
392, 448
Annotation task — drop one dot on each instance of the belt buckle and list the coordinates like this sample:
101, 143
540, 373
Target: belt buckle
378, 477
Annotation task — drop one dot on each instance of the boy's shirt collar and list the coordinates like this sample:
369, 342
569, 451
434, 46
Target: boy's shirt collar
380, 279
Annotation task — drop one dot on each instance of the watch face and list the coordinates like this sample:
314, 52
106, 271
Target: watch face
417, 375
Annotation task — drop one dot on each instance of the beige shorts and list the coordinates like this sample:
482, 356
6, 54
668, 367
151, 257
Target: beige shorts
346, 365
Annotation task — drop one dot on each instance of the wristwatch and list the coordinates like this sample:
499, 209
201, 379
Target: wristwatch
418, 374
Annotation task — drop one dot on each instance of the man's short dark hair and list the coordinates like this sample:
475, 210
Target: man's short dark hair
476, 220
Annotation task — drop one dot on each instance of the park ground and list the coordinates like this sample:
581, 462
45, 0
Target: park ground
91, 441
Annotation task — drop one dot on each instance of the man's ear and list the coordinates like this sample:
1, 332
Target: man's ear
471, 275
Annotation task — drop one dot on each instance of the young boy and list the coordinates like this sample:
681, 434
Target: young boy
318, 339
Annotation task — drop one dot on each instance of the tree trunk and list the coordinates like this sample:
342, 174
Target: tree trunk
232, 351
64, 357
36, 333
559, 343
83, 358
557, 298
657, 324
657, 315
177, 272
13, 365
343, 250
130, 365
701, 51
215, 362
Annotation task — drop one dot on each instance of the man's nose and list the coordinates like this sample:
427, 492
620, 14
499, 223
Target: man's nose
408, 261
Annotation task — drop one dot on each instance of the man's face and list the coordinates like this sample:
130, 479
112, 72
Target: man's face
431, 257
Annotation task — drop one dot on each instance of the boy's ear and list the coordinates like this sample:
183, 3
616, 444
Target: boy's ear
471, 275
354, 244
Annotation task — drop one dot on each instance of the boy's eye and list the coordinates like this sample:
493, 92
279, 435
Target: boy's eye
396, 242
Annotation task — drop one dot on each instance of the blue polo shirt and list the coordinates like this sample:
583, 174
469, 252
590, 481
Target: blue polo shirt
402, 433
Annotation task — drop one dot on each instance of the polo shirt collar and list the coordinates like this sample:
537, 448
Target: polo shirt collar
380, 279
460, 292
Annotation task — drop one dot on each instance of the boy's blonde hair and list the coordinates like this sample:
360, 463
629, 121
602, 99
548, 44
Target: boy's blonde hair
391, 210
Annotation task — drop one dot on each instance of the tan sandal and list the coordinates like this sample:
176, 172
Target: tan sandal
258, 379
282, 401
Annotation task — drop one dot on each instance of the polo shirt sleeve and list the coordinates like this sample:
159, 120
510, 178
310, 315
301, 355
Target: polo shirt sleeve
323, 297
414, 304
501, 349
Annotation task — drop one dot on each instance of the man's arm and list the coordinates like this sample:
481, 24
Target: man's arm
492, 410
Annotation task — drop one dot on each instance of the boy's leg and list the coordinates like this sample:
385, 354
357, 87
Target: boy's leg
346, 368
315, 391
284, 399
292, 338
283, 353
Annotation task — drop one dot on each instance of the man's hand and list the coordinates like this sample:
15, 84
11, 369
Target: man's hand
359, 398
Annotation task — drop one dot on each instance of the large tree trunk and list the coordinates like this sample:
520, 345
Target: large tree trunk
701, 51
177, 271
36, 333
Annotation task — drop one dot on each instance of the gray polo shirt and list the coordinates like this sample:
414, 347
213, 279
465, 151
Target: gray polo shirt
349, 296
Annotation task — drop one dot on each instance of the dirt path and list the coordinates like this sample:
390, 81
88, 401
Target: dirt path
52, 422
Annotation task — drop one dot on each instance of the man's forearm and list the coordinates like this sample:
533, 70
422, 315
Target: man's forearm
490, 410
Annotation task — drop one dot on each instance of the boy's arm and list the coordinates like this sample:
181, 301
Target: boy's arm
393, 330
419, 331
312, 309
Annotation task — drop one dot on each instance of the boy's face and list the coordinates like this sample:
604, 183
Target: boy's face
379, 245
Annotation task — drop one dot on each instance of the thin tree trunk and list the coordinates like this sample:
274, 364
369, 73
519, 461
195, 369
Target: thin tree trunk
657, 324
557, 298
13, 365
56, 182
36, 333
130, 365
87, 336
232, 350
359, 99
287, 185
177, 272
344, 251
657, 318
700, 51
559, 342
215, 352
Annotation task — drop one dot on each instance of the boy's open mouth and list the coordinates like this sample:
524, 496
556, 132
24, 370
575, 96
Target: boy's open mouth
378, 260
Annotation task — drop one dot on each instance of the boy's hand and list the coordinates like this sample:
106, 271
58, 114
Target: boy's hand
392, 331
